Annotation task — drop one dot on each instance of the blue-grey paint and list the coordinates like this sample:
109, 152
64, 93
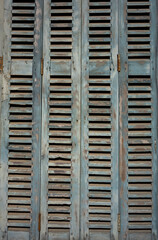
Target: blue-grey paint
154, 78
123, 120
4, 119
36, 118
114, 122
79, 68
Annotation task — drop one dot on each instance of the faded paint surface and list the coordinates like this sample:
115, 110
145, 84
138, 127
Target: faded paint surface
93, 146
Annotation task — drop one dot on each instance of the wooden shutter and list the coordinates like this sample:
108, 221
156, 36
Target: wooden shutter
138, 119
60, 163
99, 133
79, 144
21, 110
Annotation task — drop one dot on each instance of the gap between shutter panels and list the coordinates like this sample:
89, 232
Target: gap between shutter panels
20, 120
139, 121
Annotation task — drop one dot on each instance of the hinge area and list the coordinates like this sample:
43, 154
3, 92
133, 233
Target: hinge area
42, 65
39, 222
1, 65
118, 63
119, 222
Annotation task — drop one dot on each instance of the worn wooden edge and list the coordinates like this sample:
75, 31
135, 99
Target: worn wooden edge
36, 118
1, 55
123, 119
84, 123
76, 118
114, 123
5, 31
154, 77
45, 120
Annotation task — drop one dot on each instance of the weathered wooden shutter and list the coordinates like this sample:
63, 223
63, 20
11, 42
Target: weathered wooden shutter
21, 120
99, 136
138, 120
60, 163
79, 119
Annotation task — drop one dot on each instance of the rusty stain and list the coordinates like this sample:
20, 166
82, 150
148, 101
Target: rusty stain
37, 136
114, 117
123, 133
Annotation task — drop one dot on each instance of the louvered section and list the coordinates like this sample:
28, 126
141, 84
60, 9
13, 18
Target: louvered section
60, 146
99, 29
138, 22
22, 29
20, 153
99, 119
99, 164
139, 118
139, 154
61, 30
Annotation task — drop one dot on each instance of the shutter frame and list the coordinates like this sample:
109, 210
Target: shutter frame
154, 77
123, 113
115, 120
36, 118
45, 120
84, 124
4, 112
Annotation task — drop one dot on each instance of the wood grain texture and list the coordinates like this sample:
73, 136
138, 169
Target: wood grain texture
114, 122
36, 117
45, 121
4, 120
123, 120
84, 123
80, 144
76, 120
154, 77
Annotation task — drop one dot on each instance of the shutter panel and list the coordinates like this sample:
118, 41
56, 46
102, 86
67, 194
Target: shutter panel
21, 110
99, 139
138, 115
60, 169
82, 112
